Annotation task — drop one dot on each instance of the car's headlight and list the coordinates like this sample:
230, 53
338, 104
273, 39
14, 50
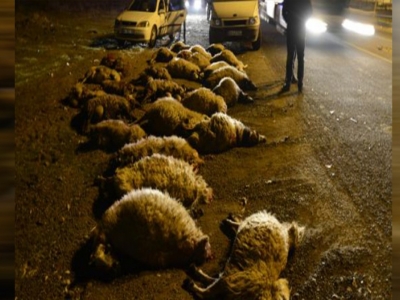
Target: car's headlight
316, 26
360, 28
217, 22
253, 20
143, 24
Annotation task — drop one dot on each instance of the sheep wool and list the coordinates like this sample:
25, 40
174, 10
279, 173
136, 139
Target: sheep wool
228, 89
182, 68
222, 132
166, 173
168, 145
157, 88
100, 73
215, 48
108, 106
167, 116
178, 46
204, 101
240, 78
228, 56
151, 228
114, 134
213, 66
258, 256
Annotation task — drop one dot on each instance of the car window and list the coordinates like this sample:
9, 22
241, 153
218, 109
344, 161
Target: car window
143, 5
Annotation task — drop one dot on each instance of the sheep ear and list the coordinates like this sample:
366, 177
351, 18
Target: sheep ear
202, 242
193, 139
296, 234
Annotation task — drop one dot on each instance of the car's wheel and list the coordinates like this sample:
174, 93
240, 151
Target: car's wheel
257, 44
153, 37
121, 43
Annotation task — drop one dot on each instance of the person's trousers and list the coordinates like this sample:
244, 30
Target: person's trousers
295, 43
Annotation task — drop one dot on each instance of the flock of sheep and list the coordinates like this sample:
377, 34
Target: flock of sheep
153, 180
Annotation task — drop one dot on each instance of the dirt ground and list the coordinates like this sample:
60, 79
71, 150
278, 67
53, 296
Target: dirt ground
56, 195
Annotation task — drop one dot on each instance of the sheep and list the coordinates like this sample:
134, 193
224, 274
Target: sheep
80, 94
157, 88
114, 134
204, 101
214, 66
113, 62
240, 78
150, 228
220, 133
106, 107
215, 48
167, 116
231, 92
166, 173
258, 256
228, 56
184, 53
178, 46
100, 73
200, 49
121, 88
196, 58
168, 145
181, 68
163, 54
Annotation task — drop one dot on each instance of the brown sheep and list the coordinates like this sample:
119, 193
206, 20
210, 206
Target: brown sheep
152, 229
81, 93
182, 68
100, 73
258, 256
114, 134
215, 48
178, 46
157, 88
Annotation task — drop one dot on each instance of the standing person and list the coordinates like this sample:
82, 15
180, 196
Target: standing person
295, 14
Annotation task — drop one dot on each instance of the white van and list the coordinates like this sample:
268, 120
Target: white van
147, 20
235, 21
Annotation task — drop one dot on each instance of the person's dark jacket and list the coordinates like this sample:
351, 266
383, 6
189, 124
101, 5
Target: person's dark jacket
296, 12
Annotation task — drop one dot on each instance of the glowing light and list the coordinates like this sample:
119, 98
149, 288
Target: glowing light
196, 4
360, 28
316, 26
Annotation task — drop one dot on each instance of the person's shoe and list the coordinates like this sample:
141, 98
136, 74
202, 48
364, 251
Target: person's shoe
294, 80
300, 87
284, 89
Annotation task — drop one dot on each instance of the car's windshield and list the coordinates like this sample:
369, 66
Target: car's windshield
143, 5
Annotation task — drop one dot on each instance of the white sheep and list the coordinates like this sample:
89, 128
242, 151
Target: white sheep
168, 145
165, 173
228, 56
228, 89
100, 73
178, 46
167, 116
200, 49
114, 134
182, 68
213, 66
204, 101
215, 48
258, 256
150, 228
240, 78
221, 133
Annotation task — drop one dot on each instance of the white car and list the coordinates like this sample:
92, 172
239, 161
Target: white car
147, 20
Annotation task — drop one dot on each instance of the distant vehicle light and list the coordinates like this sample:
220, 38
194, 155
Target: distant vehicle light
252, 21
196, 4
217, 22
316, 26
360, 28
143, 24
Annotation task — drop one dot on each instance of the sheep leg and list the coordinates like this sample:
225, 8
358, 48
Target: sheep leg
199, 275
209, 292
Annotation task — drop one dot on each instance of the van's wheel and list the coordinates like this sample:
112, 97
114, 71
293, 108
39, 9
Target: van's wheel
153, 37
121, 43
257, 44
